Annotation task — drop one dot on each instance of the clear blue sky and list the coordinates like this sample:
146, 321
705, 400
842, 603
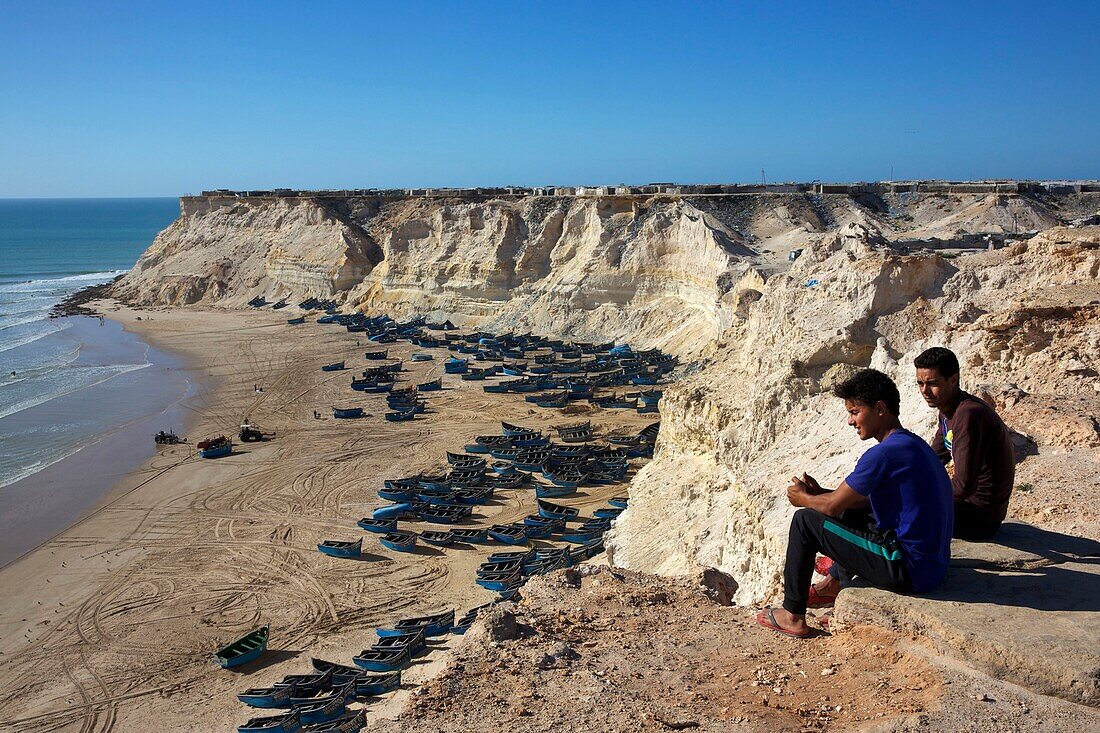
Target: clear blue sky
164, 98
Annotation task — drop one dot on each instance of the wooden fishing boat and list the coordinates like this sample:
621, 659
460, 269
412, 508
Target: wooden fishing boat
340, 548
371, 685
402, 416
455, 366
473, 496
508, 534
582, 538
307, 684
296, 321
340, 691
347, 413
258, 302
332, 708
433, 386
463, 624
506, 482
608, 513
244, 650
520, 555
542, 491
412, 640
378, 526
266, 697
347, 723
377, 355
334, 367
556, 511
447, 514
280, 304
215, 447
472, 536
530, 440
286, 723
390, 660
399, 542
435, 624
514, 430
619, 501
439, 539
422, 357
400, 510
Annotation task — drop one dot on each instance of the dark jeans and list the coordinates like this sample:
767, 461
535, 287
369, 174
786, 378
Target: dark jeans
974, 524
856, 546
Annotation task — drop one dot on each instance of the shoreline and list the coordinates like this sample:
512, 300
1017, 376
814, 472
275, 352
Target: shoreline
42, 505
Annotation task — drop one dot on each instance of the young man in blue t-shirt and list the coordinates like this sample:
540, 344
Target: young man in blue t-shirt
902, 544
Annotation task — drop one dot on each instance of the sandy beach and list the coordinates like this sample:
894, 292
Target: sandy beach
111, 624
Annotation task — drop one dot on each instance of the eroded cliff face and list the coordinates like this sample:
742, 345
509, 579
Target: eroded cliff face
654, 272
226, 252
1025, 321
709, 279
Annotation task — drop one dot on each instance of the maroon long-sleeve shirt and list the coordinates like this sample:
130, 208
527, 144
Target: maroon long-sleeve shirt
978, 441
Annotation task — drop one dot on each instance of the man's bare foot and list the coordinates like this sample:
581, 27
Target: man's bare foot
828, 587
781, 620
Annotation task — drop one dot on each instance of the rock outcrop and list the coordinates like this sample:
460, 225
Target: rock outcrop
1026, 321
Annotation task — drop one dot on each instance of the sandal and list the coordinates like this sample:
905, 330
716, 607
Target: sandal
820, 600
766, 618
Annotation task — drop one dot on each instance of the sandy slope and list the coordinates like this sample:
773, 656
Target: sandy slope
110, 626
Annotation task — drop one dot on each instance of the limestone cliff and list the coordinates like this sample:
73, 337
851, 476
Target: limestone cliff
1026, 321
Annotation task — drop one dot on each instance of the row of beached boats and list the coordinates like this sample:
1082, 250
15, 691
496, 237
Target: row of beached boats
318, 700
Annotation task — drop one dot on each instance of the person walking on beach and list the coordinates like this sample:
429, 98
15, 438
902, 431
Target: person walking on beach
903, 543
973, 441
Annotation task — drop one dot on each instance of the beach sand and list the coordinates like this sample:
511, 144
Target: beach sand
111, 625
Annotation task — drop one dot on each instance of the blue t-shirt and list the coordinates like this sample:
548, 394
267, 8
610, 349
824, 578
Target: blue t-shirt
910, 493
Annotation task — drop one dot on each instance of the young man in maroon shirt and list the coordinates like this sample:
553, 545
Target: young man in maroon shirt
974, 439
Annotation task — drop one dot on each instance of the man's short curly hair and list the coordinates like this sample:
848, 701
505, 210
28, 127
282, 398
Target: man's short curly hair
870, 386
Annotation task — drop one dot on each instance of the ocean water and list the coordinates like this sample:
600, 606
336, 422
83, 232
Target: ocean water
49, 249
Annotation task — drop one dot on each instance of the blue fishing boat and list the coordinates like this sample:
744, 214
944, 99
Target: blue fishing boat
393, 511
422, 357
402, 416
296, 321
215, 447
376, 355
399, 542
508, 534
581, 537
495, 388
266, 697
307, 685
511, 430
455, 366
347, 413
608, 513
334, 367
286, 723
472, 536
413, 640
348, 723
542, 491
463, 624
244, 650
436, 624
392, 660
447, 514
619, 501
378, 526
339, 548
439, 539
433, 386
333, 707
556, 511
258, 302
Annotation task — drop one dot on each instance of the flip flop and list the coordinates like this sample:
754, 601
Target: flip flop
825, 620
819, 600
766, 618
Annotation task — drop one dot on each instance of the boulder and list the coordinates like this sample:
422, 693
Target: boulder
1024, 607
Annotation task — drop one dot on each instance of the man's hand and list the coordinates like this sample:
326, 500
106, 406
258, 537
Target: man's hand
811, 484
797, 492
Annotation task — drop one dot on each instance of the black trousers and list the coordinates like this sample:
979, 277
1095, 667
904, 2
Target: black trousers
974, 524
856, 546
